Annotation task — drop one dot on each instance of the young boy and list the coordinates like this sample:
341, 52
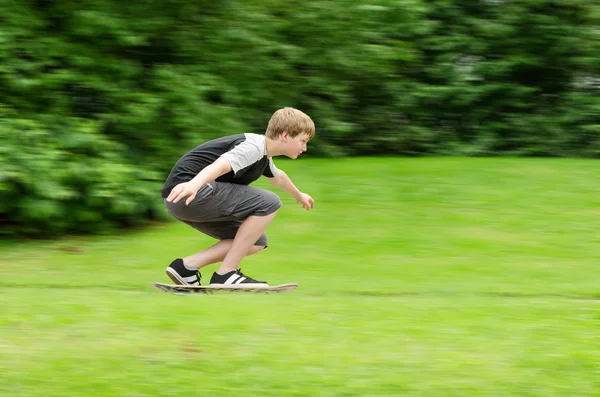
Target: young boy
208, 189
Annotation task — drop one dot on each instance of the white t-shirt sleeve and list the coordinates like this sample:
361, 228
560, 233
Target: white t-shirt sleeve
243, 155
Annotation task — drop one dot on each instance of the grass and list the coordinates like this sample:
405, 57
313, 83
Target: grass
418, 277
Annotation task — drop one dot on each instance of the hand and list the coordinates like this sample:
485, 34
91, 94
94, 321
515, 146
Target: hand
307, 202
182, 190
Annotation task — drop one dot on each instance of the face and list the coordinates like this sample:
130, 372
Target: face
294, 147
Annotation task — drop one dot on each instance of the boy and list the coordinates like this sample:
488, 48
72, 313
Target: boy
208, 190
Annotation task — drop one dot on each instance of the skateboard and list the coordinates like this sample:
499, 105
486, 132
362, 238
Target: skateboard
207, 289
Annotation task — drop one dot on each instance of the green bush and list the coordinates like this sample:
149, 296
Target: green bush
70, 180
101, 97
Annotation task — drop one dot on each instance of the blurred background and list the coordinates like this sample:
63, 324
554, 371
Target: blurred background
99, 98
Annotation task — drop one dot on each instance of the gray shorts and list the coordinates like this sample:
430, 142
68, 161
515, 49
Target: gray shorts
219, 209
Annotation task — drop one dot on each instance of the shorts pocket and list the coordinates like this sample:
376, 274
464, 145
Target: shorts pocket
228, 196
203, 195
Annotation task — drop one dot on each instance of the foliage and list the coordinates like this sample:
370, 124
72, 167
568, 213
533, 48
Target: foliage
150, 80
70, 179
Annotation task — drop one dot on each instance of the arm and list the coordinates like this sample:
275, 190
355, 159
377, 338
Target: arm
282, 181
220, 167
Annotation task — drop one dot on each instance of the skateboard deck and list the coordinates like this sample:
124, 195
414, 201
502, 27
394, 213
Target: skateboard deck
207, 289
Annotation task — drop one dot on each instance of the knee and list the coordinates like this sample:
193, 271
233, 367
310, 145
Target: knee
273, 199
271, 203
256, 248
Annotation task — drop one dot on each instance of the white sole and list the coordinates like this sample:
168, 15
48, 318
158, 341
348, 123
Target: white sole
253, 285
174, 276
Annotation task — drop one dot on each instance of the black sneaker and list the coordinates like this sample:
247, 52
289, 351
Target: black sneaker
236, 277
181, 275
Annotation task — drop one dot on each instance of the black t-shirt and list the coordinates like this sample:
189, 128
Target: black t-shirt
247, 154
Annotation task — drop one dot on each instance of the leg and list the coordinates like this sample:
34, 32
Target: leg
228, 212
246, 236
215, 254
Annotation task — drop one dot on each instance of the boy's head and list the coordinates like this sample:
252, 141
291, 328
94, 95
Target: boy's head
292, 121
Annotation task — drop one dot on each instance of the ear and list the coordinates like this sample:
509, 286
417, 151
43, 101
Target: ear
284, 136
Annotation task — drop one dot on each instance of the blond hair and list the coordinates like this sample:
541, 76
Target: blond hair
291, 120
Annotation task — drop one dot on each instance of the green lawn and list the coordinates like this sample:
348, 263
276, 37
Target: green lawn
418, 277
